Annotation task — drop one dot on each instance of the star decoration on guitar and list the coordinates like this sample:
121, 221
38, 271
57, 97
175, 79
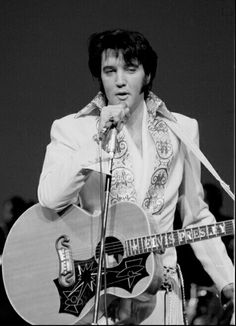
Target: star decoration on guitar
132, 270
125, 275
76, 297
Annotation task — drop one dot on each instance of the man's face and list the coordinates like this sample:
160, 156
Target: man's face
122, 82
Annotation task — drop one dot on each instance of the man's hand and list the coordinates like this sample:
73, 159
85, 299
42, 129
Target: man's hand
112, 115
227, 300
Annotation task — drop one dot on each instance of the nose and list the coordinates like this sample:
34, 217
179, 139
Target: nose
120, 79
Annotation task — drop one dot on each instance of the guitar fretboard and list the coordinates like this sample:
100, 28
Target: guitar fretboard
178, 237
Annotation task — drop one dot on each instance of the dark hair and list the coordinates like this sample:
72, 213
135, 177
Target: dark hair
132, 45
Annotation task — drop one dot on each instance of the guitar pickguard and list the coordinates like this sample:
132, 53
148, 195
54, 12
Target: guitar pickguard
126, 275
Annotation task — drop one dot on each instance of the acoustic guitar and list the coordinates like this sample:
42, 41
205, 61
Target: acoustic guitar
50, 260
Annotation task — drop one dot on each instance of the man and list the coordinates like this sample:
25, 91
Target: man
151, 168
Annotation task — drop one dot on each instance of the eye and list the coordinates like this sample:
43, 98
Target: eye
108, 71
131, 69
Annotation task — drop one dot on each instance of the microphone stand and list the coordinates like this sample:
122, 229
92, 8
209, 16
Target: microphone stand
111, 151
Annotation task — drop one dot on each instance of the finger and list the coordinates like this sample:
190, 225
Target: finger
127, 113
104, 124
123, 105
125, 108
108, 124
113, 114
120, 125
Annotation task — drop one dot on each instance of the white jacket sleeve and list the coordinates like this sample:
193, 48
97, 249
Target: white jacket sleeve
69, 158
194, 211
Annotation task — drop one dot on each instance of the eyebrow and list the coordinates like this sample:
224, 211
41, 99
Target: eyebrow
108, 67
133, 64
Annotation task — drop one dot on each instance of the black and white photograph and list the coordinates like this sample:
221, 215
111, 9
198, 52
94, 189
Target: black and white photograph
118, 161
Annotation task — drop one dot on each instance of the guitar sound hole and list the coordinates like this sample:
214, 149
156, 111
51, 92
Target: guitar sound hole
114, 251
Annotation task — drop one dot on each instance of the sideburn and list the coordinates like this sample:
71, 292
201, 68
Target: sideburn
146, 86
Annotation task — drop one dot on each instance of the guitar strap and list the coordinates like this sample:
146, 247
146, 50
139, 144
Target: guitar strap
175, 127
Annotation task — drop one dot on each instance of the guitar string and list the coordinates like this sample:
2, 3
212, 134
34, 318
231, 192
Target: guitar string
118, 244
148, 250
118, 248
114, 246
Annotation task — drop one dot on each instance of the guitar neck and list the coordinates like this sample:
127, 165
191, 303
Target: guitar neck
178, 237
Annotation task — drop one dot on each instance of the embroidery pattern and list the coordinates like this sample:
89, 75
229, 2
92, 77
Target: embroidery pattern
154, 199
122, 184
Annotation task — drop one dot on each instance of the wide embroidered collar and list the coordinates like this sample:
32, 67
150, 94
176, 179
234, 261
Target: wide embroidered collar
154, 105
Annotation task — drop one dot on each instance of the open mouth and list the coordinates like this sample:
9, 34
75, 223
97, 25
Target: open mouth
122, 96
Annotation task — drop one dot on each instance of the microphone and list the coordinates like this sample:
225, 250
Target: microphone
111, 141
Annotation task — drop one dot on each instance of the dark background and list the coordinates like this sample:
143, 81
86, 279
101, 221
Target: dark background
44, 74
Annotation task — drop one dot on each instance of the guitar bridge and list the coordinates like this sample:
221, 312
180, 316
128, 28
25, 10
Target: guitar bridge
66, 264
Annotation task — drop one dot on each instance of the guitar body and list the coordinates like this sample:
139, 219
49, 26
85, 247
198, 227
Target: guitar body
50, 262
